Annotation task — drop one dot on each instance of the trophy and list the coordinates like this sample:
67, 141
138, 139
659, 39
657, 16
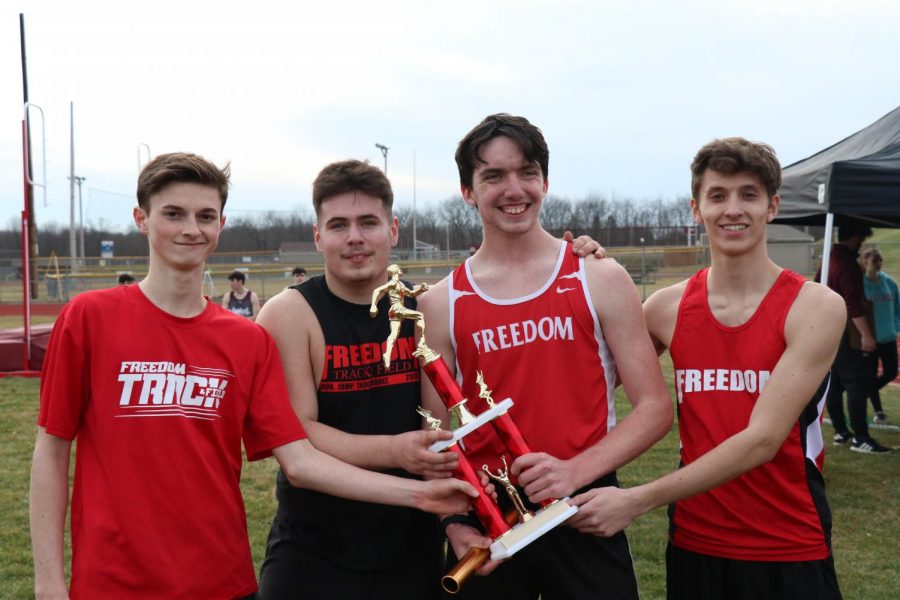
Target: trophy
520, 526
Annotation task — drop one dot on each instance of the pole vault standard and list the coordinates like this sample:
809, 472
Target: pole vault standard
29, 230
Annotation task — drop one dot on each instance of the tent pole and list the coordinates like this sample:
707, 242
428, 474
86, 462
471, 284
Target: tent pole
826, 250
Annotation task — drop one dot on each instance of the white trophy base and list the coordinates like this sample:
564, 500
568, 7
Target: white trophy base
524, 533
461, 432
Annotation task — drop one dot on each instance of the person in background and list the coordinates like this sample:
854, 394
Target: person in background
852, 366
240, 300
299, 275
881, 292
126, 279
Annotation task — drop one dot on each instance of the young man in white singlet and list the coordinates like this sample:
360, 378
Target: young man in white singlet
751, 344
160, 417
550, 332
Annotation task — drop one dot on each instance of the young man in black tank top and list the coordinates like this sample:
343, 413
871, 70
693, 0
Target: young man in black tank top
240, 300
352, 407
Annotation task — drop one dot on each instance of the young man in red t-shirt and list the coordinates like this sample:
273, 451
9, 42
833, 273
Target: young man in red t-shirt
751, 344
148, 381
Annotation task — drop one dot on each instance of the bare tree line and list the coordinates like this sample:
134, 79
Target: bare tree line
613, 222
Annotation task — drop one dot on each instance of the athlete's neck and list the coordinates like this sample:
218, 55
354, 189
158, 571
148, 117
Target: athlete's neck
736, 285
514, 266
355, 292
177, 292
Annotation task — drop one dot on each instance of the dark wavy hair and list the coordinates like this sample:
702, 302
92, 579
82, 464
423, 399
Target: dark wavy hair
526, 136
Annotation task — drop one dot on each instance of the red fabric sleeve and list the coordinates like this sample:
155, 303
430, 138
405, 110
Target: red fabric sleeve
270, 421
65, 377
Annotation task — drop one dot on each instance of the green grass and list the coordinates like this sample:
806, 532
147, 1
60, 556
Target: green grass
861, 490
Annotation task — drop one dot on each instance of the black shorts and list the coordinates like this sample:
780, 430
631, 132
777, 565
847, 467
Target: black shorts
693, 576
563, 564
293, 570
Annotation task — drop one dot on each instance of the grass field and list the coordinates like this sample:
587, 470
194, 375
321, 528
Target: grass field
862, 490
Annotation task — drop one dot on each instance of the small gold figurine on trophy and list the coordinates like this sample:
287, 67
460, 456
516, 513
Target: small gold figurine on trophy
430, 420
502, 477
484, 393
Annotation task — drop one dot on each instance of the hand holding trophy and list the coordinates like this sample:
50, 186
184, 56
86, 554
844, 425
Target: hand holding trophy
510, 532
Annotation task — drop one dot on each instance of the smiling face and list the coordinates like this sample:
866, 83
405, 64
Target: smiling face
507, 190
183, 225
735, 210
355, 234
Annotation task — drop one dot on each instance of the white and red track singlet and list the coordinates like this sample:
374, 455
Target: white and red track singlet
777, 511
545, 351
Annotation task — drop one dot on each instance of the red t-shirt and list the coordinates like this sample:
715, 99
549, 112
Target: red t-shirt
777, 511
546, 351
158, 406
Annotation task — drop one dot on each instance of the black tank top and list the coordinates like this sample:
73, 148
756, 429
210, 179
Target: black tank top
242, 306
359, 396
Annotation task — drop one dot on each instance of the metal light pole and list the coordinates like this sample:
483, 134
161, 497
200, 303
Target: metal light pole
79, 181
384, 152
415, 243
643, 272
73, 247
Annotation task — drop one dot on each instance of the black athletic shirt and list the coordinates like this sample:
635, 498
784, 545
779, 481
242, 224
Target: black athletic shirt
359, 396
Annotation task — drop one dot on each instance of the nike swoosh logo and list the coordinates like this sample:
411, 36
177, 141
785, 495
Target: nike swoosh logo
562, 290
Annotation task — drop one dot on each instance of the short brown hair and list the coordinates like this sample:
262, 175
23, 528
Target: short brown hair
737, 155
352, 176
180, 167
526, 136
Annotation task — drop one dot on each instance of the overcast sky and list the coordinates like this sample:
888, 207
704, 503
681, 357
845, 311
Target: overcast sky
625, 92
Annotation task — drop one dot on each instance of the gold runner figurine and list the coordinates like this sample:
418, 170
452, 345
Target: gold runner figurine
397, 291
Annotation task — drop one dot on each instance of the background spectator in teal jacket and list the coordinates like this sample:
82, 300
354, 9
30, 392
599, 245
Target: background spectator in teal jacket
881, 292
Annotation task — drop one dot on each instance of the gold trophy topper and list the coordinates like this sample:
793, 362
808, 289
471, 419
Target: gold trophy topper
485, 393
432, 421
397, 291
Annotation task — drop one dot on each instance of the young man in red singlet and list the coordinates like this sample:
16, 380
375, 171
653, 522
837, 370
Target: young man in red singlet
751, 345
160, 417
549, 331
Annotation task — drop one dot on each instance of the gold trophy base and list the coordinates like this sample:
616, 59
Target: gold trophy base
524, 533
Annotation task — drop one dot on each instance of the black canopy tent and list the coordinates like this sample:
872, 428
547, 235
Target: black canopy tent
857, 178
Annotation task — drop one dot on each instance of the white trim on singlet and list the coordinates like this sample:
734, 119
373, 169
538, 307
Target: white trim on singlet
452, 296
815, 445
531, 296
606, 357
